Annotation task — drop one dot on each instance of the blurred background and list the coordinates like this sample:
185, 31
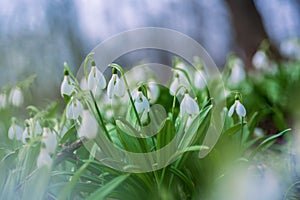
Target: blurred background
39, 36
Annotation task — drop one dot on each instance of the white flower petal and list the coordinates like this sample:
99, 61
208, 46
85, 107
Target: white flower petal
49, 139
237, 72
74, 109
188, 105
67, 86
16, 97
141, 103
119, 88
15, 132
111, 86
44, 159
200, 80
3, 100
89, 126
96, 81
240, 109
153, 92
84, 84
174, 86
231, 110
25, 135
260, 60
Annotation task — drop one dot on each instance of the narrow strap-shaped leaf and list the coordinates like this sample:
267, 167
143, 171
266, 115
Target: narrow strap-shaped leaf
267, 141
66, 191
105, 190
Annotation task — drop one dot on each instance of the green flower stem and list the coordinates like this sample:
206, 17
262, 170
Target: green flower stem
100, 117
119, 68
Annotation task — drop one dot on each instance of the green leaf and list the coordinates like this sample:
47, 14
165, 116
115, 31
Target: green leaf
233, 130
37, 181
182, 176
107, 189
165, 134
266, 142
67, 190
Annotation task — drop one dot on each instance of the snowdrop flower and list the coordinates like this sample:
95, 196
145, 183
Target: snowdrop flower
35, 126
141, 103
3, 101
188, 105
44, 159
83, 84
258, 132
177, 82
237, 72
67, 86
238, 108
199, 80
15, 131
260, 60
96, 80
290, 48
74, 109
49, 139
89, 126
153, 92
115, 86
16, 97
26, 134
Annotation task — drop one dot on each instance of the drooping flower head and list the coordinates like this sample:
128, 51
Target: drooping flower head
238, 107
141, 103
188, 105
74, 109
96, 80
115, 85
67, 86
199, 79
89, 126
15, 131
3, 100
16, 97
26, 133
44, 159
177, 82
49, 139
237, 71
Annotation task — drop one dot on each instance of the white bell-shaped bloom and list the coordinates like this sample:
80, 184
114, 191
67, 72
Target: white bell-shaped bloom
35, 127
89, 126
153, 92
44, 159
115, 86
237, 72
199, 80
260, 60
83, 84
290, 48
238, 107
16, 97
96, 81
178, 81
15, 132
67, 86
3, 100
74, 109
26, 134
141, 103
188, 105
49, 139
